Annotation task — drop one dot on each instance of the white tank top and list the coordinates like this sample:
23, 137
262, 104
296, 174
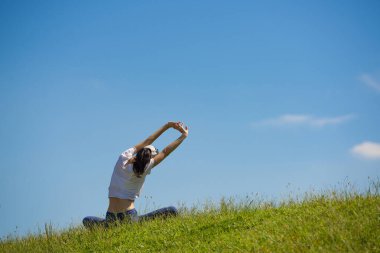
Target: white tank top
124, 183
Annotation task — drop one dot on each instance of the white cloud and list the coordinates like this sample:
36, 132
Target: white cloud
370, 82
303, 119
367, 150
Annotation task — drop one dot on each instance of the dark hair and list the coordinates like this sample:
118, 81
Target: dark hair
142, 159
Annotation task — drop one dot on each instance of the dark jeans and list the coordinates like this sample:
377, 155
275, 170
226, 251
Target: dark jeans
128, 216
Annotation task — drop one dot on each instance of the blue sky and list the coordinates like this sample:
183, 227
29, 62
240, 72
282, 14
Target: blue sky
278, 95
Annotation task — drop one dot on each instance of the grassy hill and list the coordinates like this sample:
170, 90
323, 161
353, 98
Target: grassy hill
330, 222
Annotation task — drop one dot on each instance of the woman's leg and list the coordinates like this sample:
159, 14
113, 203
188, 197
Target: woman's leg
128, 216
111, 219
160, 213
91, 221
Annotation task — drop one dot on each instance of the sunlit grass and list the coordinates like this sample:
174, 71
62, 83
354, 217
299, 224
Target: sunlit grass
332, 221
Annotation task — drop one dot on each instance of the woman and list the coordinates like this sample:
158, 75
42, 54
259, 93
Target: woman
128, 177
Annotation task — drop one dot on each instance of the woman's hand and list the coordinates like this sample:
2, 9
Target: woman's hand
179, 126
185, 131
182, 128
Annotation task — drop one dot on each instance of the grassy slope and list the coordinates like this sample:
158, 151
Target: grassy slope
321, 224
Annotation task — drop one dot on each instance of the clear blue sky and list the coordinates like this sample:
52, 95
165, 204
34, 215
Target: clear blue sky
275, 93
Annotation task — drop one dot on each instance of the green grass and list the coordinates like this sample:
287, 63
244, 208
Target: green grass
329, 222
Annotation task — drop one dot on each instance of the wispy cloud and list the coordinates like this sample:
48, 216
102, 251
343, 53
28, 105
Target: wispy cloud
303, 119
367, 150
370, 81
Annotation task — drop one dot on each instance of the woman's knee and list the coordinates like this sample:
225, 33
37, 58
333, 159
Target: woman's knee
172, 210
91, 221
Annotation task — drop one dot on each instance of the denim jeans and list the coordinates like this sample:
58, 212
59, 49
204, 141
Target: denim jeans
128, 216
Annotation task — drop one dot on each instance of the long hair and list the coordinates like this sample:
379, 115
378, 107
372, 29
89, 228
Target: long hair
142, 159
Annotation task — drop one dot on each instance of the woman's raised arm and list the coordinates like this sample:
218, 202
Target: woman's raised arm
154, 136
172, 146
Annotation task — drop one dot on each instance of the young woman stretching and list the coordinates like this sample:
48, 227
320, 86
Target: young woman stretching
128, 177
